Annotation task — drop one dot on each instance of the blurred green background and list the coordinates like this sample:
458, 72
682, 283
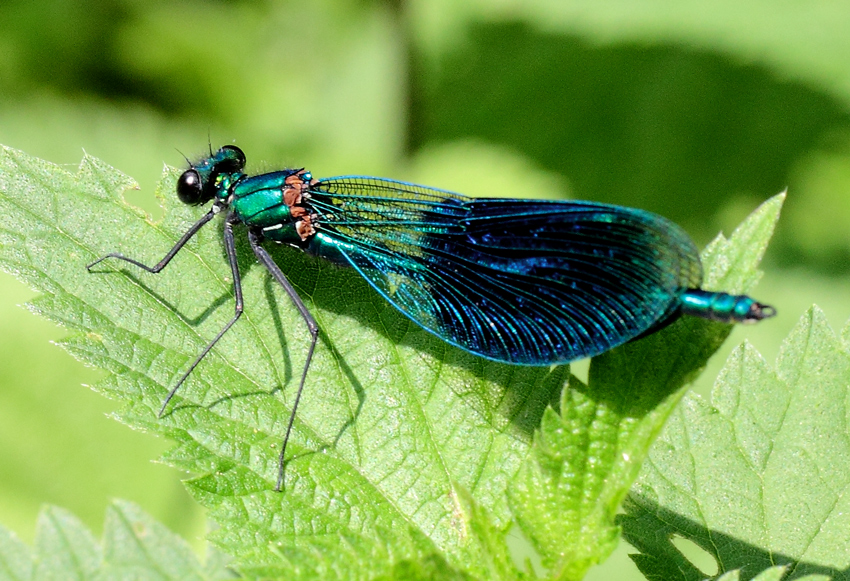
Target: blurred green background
697, 111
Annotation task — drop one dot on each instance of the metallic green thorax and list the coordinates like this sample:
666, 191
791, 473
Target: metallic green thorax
273, 202
259, 202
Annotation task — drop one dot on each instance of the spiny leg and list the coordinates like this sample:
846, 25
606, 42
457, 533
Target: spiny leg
230, 248
171, 253
278, 275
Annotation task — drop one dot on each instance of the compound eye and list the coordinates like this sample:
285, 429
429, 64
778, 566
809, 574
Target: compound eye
189, 188
235, 160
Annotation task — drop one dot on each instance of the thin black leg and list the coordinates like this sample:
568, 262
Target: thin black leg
167, 258
278, 275
230, 248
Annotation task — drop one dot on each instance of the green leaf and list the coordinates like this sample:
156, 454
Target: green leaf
134, 547
16, 559
758, 477
585, 458
394, 427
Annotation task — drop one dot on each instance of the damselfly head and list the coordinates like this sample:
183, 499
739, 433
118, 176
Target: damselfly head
200, 183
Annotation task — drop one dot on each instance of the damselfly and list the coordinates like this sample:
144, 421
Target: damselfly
526, 282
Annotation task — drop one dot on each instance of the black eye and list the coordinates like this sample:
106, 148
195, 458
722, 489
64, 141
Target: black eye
232, 161
189, 188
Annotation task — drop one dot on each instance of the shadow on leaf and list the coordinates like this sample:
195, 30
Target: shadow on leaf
651, 528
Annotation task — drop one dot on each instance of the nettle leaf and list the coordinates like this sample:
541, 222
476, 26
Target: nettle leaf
409, 457
134, 546
586, 457
397, 432
760, 475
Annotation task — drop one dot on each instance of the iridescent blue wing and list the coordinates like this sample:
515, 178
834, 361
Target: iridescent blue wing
521, 281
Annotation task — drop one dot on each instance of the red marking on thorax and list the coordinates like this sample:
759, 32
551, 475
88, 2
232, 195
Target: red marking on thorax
293, 196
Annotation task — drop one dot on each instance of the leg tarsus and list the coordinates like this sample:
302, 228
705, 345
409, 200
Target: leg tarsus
171, 253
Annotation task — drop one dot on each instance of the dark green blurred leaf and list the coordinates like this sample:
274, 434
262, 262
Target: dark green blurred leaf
807, 41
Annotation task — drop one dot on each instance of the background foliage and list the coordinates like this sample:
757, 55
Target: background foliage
692, 111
